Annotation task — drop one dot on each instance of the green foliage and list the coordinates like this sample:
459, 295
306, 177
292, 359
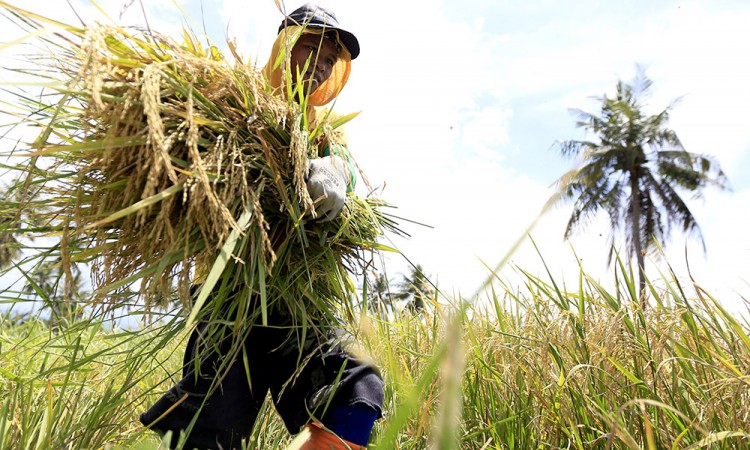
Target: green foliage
10, 247
632, 171
377, 293
60, 295
80, 387
527, 368
416, 290
531, 368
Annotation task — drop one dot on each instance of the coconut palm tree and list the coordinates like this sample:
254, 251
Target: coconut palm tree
632, 170
415, 289
60, 293
380, 295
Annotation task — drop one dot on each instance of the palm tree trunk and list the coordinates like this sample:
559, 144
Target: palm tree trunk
635, 210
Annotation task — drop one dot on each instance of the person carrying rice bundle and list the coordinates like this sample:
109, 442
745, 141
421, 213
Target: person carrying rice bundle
316, 385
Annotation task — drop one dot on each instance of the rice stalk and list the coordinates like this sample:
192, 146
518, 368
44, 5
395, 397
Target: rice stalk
152, 150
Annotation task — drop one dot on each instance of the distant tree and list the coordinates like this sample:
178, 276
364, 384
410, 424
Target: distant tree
416, 289
381, 291
10, 246
379, 295
60, 290
632, 171
61, 294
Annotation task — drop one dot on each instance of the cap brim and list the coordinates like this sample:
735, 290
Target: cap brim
350, 42
348, 39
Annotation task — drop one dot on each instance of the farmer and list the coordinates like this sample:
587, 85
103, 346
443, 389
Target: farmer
315, 384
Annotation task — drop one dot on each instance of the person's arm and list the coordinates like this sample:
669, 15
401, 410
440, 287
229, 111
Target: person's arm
333, 174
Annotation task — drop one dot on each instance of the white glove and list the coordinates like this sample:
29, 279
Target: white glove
327, 182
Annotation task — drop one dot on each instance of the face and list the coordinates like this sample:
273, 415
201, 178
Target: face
321, 54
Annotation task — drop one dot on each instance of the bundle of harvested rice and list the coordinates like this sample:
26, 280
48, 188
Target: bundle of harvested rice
169, 167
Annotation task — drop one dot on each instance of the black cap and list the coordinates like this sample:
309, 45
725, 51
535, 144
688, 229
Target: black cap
318, 17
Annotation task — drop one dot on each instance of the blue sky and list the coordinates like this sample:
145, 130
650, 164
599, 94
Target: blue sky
462, 101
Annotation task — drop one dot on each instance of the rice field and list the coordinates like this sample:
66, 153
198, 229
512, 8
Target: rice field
522, 366
533, 368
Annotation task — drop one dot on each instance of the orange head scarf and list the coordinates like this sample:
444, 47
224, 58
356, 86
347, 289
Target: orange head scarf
279, 66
